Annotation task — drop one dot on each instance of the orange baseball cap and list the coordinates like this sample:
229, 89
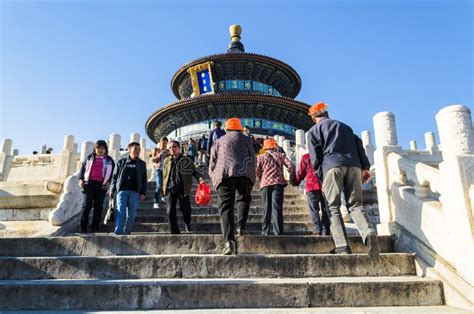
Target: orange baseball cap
269, 144
317, 109
233, 124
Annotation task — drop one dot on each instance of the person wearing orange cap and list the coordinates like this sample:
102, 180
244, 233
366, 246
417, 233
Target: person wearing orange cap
232, 169
272, 185
338, 156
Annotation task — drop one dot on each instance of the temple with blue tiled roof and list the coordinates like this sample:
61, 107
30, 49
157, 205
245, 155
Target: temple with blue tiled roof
258, 89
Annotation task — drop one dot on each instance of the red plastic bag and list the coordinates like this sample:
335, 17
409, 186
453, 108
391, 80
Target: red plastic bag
203, 194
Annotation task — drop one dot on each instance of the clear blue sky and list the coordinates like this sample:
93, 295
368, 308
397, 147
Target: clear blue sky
91, 68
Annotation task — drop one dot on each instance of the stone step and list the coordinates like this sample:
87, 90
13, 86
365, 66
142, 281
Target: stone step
153, 244
212, 227
320, 310
205, 266
256, 187
301, 201
256, 197
215, 218
24, 214
135, 294
205, 210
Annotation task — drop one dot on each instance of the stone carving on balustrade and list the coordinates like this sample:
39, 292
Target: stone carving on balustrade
70, 202
426, 198
34, 161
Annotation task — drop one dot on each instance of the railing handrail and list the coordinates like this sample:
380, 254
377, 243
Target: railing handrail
422, 174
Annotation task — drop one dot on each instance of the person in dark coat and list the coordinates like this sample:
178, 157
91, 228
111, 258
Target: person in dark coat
215, 134
94, 178
338, 153
232, 169
128, 185
178, 171
202, 150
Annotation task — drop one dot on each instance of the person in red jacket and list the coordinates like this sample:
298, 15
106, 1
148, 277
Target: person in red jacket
314, 196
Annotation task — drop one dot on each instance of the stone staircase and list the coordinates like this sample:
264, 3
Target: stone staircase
151, 269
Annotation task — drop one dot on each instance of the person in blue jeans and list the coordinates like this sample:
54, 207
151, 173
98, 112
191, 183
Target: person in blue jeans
159, 155
128, 186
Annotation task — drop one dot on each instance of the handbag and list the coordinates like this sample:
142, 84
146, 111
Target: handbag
109, 216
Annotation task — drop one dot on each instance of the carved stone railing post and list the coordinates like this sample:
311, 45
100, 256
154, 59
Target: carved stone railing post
368, 146
280, 140
306, 139
134, 137
287, 149
7, 146
114, 146
430, 143
386, 141
300, 137
6, 159
457, 178
300, 147
68, 143
65, 168
86, 149
143, 152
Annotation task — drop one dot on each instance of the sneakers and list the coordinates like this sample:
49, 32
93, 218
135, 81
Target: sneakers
373, 245
156, 205
241, 231
187, 227
344, 250
229, 248
326, 232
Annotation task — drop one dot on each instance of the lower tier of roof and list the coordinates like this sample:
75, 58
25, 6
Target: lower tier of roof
222, 106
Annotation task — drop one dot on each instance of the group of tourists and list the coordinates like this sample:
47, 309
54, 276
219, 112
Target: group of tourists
335, 167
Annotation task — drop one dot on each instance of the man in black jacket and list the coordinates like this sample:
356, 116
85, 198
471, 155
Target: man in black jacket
178, 171
337, 153
129, 183
215, 134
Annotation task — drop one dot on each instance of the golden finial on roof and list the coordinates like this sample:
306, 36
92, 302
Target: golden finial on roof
235, 31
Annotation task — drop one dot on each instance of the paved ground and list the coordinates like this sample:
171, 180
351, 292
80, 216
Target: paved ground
361, 310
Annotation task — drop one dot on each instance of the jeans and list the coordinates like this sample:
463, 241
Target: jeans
272, 202
316, 202
125, 211
94, 195
185, 207
225, 202
159, 182
347, 180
